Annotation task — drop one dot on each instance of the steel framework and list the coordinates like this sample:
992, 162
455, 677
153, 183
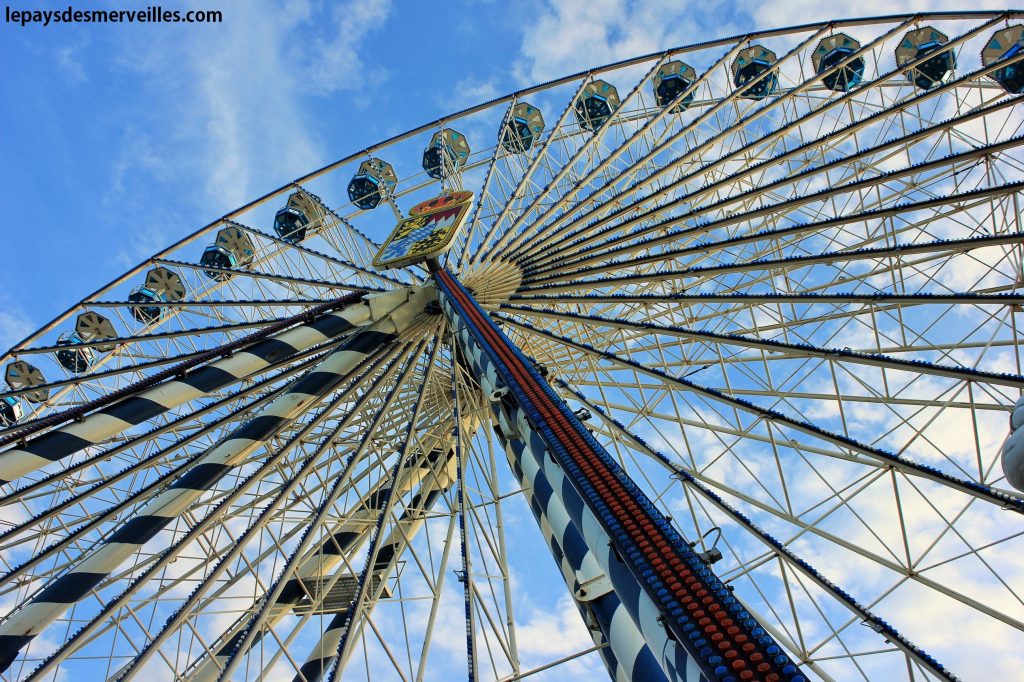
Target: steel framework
743, 354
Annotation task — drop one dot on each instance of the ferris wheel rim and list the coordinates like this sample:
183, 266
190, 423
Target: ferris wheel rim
227, 218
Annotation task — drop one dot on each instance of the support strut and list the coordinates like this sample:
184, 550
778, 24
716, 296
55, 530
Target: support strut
696, 609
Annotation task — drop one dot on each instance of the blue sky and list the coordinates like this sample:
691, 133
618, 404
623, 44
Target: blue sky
117, 139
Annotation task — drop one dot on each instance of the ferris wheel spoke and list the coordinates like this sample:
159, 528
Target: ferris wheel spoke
584, 153
388, 552
345, 628
192, 466
491, 181
560, 226
298, 283
159, 335
801, 524
512, 206
33, 616
276, 497
150, 398
801, 150
614, 155
941, 249
775, 239
799, 350
801, 200
343, 538
349, 241
948, 205
307, 250
604, 226
235, 304
145, 362
773, 545
82, 491
885, 458
486, 575
774, 394
338, 486
562, 174
849, 297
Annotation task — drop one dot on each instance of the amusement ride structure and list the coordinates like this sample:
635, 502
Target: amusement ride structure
716, 347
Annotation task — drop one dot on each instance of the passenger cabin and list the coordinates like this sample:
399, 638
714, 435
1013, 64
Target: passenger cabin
301, 217
374, 180
10, 411
1005, 45
231, 249
92, 326
162, 286
754, 72
74, 357
447, 152
673, 79
833, 51
216, 256
596, 104
20, 375
940, 65
290, 224
523, 128
146, 314
167, 282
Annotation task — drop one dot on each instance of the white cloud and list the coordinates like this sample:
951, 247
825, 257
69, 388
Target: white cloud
335, 63
69, 60
573, 35
14, 324
794, 12
549, 635
228, 101
470, 91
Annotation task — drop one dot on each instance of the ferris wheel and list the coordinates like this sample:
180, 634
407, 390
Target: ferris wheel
702, 365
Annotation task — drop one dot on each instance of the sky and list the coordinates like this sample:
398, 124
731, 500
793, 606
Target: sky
117, 140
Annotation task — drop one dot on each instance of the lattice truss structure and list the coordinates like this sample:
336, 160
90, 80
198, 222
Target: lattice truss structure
775, 278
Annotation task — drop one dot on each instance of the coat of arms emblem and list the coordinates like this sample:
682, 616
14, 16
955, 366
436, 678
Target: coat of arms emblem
427, 233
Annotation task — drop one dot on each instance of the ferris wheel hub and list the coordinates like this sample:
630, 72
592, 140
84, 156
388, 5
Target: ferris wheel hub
494, 283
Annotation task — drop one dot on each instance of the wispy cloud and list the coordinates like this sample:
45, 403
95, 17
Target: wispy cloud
230, 101
335, 63
573, 35
14, 324
70, 62
228, 111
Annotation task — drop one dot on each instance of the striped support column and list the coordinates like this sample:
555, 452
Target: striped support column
33, 616
323, 655
325, 652
429, 472
693, 605
552, 498
552, 487
534, 467
130, 411
628, 657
